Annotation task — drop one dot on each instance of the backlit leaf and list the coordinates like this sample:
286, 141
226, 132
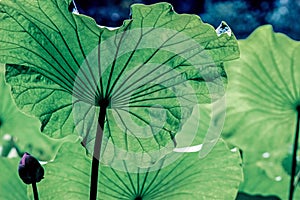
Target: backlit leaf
148, 74
262, 96
23, 129
217, 176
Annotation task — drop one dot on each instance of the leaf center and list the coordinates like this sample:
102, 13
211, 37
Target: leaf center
103, 102
138, 198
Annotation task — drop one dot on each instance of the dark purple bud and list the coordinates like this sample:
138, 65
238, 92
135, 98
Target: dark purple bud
30, 170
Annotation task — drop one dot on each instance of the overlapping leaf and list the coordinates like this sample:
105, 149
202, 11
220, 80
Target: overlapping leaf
27, 137
149, 72
217, 176
23, 128
263, 94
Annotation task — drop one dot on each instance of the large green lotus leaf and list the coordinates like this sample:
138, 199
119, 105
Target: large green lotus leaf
11, 186
262, 96
148, 73
23, 128
216, 176
199, 134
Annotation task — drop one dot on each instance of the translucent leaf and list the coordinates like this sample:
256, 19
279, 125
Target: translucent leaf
23, 129
148, 74
217, 176
262, 96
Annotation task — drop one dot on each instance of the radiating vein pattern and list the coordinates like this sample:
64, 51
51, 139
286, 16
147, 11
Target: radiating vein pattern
265, 87
187, 178
217, 176
262, 98
152, 70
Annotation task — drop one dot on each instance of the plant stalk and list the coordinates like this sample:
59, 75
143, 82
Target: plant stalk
35, 191
294, 160
96, 153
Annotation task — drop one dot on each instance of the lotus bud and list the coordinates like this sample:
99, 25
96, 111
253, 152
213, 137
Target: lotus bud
30, 170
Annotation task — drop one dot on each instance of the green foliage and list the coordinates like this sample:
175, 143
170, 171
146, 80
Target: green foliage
11, 185
67, 176
25, 136
148, 75
214, 177
73, 66
263, 93
23, 129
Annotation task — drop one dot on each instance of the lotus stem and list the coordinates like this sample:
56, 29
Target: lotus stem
294, 160
97, 152
35, 191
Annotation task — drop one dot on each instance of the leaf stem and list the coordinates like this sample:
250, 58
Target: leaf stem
35, 191
97, 152
294, 161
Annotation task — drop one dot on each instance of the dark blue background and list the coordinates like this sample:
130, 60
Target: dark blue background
242, 16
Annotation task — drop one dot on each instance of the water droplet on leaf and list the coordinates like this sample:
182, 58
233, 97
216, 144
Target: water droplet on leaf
266, 155
278, 178
7, 137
